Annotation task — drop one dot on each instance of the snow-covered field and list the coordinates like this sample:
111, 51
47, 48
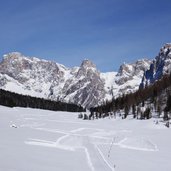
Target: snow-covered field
40, 140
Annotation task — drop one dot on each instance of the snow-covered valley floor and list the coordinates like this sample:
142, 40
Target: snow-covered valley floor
40, 140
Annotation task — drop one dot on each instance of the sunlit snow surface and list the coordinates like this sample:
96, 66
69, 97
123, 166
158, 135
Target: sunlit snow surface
40, 140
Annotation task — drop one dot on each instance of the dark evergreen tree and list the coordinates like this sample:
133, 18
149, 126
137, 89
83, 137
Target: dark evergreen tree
147, 113
126, 111
134, 111
13, 99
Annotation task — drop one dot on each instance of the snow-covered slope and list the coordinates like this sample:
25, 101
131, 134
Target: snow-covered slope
109, 82
37, 140
83, 85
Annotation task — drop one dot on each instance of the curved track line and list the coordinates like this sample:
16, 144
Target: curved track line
106, 162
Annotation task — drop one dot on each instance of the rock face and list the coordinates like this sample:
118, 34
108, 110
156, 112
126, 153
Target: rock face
32, 76
83, 85
129, 77
86, 87
161, 65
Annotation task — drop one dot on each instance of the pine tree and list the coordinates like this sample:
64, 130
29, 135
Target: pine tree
134, 111
126, 111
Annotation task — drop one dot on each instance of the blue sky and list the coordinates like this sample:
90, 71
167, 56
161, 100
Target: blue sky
108, 32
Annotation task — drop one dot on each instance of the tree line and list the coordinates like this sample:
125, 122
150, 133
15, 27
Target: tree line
11, 99
141, 103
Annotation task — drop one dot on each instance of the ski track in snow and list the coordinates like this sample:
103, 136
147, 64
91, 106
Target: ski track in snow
96, 145
88, 139
138, 144
72, 141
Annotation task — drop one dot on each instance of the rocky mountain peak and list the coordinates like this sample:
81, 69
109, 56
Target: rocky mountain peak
85, 87
133, 68
87, 69
87, 64
165, 52
128, 71
13, 55
167, 46
161, 65
125, 69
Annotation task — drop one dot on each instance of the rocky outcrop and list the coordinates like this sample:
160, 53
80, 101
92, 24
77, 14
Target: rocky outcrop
86, 87
129, 71
160, 66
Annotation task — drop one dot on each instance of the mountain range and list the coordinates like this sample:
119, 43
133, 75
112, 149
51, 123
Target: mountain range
84, 85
